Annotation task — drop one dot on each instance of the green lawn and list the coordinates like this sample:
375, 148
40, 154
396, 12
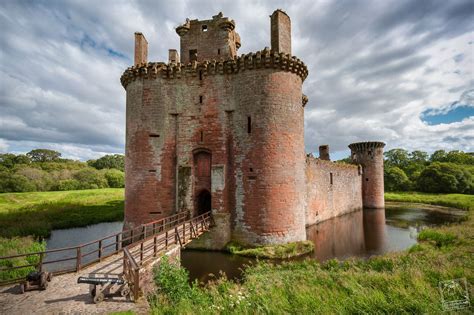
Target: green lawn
459, 201
37, 213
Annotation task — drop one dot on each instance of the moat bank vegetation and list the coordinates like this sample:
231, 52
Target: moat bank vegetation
404, 282
27, 218
280, 251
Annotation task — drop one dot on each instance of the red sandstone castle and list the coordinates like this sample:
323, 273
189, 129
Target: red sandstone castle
211, 130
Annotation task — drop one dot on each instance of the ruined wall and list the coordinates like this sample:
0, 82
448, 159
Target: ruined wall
332, 189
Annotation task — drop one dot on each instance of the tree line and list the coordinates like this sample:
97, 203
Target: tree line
45, 170
440, 172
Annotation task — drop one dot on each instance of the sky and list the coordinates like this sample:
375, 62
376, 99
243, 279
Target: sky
399, 71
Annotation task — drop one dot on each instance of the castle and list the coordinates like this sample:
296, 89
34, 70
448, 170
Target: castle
211, 130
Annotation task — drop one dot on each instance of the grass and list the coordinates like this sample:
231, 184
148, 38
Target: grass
37, 213
23, 245
280, 251
403, 282
26, 218
460, 201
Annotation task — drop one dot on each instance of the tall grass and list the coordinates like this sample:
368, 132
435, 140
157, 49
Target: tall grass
460, 201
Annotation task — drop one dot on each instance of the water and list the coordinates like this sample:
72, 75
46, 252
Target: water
358, 234
76, 236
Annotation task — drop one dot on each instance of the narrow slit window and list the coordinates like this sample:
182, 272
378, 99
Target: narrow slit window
200, 99
200, 74
218, 51
154, 135
366, 179
204, 28
249, 124
331, 178
152, 171
251, 170
202, 136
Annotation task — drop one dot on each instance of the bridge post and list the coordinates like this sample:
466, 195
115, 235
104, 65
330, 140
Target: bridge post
78, 259
100, 250
166, 240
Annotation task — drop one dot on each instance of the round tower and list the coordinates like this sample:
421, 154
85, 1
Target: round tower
370, 156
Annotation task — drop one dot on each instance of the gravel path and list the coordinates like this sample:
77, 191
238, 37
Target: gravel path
65, 296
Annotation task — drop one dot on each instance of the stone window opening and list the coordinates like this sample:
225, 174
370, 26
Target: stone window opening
331, 178
218, 51
193, 55
202, 136
152, 171
200, 99
366, 179
200, 74
249, 124
251, 170
204, 28
154, 135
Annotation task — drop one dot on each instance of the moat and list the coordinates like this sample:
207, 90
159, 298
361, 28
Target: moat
359, 234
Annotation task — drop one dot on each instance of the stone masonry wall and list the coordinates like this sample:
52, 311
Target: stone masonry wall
326, 200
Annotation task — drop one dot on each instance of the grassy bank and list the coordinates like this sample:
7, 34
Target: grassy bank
405, 282
459, 201
37, 213
280, 251
25, 218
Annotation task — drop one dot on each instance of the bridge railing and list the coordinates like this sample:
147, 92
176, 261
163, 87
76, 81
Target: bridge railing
74, 258
138, 254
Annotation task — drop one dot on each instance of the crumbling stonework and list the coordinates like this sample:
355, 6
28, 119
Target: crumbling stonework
210, 130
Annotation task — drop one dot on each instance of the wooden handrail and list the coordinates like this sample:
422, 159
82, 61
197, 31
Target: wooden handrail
119, 239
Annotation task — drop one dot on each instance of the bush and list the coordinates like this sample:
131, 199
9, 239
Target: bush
15, 183
116, 161
90, 178
68, 184
115, 178
39, 178
396, 179
172, 281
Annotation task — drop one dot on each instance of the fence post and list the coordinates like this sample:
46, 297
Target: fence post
154, 246
184, 232
40, 264
100, 250
141, 253
117, 242
136, 285
166, 240
78, 259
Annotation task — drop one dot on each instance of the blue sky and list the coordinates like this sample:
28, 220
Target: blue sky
394, 71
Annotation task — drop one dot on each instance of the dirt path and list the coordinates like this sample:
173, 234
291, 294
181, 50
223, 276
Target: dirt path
65, 296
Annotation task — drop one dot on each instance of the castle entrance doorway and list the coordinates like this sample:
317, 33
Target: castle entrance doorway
203, 202
202, 182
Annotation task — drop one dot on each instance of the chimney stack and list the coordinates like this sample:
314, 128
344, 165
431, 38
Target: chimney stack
141, 49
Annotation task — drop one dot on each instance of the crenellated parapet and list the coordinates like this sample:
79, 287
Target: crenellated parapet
363, 146
259, 60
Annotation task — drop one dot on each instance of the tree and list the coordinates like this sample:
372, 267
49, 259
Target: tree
43, 155
397, 157
445, 178
459, 157
395, 179
7, 160
419, 157
438, 156
116, 161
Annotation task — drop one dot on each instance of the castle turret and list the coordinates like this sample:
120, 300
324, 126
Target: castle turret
208, 39
370, 156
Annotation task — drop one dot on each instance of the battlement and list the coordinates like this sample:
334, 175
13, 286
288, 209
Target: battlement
208, 39
363, 146
261, 59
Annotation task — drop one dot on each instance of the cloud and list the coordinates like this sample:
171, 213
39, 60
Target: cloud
375, 67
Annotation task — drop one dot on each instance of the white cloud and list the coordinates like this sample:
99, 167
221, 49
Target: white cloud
375, 66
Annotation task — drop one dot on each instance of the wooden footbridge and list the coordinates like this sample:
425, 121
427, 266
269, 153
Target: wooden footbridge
125, 255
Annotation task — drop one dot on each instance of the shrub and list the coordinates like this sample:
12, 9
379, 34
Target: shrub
116, 161
68, 184
39, 178
90, 178
172, 281
115, 178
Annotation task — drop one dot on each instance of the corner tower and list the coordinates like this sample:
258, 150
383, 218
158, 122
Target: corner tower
370, 156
